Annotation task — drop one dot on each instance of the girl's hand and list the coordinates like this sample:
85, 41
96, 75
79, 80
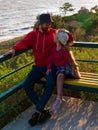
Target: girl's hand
48, 71
77, 73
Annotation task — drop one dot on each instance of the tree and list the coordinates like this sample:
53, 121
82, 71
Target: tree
85, 17
83, 10
67, 7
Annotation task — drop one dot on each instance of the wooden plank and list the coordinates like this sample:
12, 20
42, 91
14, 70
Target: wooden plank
89, 74
88, 80
81, 83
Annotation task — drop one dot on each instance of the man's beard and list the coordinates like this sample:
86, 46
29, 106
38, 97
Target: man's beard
45, 30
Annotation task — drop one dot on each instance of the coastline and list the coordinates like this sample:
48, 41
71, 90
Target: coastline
12, 40
7, 44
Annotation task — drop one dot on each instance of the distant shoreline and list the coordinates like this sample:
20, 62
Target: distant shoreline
15, 39
7, 44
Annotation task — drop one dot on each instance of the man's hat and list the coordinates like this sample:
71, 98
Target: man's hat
45, 18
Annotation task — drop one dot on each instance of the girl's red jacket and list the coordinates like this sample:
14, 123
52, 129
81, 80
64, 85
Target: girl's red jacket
41, 44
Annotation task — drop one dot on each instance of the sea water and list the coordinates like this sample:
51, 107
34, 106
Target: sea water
18, 16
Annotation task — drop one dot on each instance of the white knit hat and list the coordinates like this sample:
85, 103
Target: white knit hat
62, 37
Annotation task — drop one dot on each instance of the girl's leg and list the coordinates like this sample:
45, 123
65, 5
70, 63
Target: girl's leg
60, 82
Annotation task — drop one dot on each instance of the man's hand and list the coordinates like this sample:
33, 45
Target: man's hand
12, 52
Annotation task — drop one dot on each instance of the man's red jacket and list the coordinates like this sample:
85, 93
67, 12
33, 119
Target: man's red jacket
41, 44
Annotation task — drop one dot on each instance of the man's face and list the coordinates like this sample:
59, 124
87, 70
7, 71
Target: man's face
45, 27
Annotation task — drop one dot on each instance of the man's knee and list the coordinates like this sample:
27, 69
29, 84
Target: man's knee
27, 86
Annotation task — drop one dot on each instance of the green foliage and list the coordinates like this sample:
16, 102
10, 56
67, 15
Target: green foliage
58, 22
86, 19
13, 106
11, 65
86, 54
12, 80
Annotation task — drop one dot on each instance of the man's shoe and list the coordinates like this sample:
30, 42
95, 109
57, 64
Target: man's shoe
34, 119
45, 115
38, 118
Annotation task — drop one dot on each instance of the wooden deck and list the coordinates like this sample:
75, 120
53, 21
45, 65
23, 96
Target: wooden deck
75, 114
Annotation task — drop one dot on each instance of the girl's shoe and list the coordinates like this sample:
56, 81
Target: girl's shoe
57, 103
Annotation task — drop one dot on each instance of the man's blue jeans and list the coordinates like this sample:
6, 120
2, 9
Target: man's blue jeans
34, 75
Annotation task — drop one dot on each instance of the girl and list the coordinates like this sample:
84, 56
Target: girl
63, 59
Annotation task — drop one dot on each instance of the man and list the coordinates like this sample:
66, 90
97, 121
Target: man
41, 40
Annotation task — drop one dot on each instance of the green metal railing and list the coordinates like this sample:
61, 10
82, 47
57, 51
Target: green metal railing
16, 87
